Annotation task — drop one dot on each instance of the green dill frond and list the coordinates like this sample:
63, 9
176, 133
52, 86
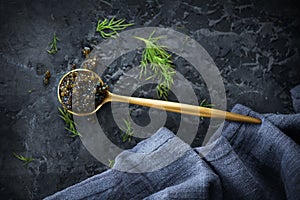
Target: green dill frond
128, 131
160, 64
111, 163
74, 132
110, 28
204, 103
53, 45
25, 160
70, 125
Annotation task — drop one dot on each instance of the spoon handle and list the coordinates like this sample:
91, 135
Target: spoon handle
184, 108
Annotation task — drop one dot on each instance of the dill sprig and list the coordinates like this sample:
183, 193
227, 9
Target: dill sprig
160, 63
109, 28
111, 163
70, 124
53, 45
25, 160
204, 103
128, 131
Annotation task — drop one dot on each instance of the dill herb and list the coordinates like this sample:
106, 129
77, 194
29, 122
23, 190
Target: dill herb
128, 131
70, 124
25, 160
160, 63
53, 45
204, 103
110, 28
111, 163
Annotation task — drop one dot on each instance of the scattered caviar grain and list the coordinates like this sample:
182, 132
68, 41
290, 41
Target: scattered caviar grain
47, 77
86, 51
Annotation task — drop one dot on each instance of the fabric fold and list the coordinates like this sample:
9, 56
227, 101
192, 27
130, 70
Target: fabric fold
247, 161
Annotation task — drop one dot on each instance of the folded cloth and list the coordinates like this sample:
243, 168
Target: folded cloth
247, 161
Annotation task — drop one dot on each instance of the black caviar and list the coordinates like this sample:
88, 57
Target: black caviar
101, 92
82, 91
47, 76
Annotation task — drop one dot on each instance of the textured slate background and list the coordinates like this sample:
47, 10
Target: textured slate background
255, 44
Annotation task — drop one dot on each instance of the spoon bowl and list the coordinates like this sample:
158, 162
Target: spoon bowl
75, 86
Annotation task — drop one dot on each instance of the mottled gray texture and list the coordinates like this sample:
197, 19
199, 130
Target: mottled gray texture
247, 162
295, 92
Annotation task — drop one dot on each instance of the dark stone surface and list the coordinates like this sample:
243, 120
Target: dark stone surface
255, 44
